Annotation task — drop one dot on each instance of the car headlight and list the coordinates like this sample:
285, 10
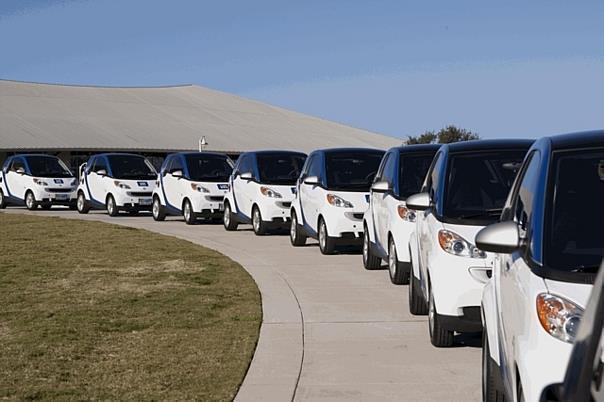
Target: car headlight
558, 316
121, 185
406, 214
454, 244
200, 188
269, 192
336, 201
40, 182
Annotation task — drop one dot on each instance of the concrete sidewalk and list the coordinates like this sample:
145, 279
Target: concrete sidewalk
331, 331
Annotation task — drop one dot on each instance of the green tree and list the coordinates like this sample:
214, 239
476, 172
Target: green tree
445, 135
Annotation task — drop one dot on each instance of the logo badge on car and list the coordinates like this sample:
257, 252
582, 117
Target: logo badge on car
59, 181
142, 184
223, 187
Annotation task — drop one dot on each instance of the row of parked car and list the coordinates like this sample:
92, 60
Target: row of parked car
502, 236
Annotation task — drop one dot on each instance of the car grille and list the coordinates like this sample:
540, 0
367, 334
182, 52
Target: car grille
59, 190
285, 204
215, 198
358, 215
140, 193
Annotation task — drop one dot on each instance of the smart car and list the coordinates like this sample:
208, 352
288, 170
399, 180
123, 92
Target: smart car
192, 184
262, 187
332, 196
548, 247
36, 180
388, 222
116, 182
463, 192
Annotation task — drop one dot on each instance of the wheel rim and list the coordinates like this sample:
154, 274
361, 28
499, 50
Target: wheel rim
30, 200
431, 314
392, 259
365, 247
110, 206
256, 220
322, 235
80, 202
187, 211
226, 217
156, 208
293, 227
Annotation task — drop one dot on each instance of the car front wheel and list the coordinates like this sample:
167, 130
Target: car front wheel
30, 201
439, 336
370, 260
82, 204
296, 236
257, 222
398, 274
111, 206
157, 210
2, 200
490, 393
188, 213
327, 244
228, 218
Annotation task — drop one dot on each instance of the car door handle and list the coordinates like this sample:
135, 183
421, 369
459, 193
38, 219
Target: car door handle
507, 266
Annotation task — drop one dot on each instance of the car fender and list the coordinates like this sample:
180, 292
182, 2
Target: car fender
489, 320
368, 224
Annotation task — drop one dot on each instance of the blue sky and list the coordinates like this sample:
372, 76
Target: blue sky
395, 67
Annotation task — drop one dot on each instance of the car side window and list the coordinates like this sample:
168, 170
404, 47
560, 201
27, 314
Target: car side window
389, 175
99, 164
314, 169
17, 164
432, 178
523, 203
380, 172
306, 167
176, 164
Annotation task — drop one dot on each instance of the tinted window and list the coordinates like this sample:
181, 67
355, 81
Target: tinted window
351, 171
412, 173
99, 164
573, 231
245, 164
315, 167
388, 174
17, 164
432, 177
211, 168
523, 204
47, 166
279, 168
175, 164
131, 167
478, 184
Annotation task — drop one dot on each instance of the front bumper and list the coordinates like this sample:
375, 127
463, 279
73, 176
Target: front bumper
128, 202
208, 205
275, 211
457, 284
345, 223
55, 196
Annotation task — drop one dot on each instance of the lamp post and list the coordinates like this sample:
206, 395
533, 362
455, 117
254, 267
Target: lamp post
202, 143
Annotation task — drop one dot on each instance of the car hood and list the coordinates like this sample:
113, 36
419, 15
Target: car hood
576, 292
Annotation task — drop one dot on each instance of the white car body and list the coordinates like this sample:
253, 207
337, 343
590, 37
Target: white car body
387, 218
450, 271
17, 181
176, 185
341, 211
249, 191
525, 355
96, 186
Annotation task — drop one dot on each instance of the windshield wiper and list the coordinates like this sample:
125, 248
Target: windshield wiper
586, 269
489, 213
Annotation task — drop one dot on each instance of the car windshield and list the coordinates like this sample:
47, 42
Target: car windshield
573, 228
131, 167
479, 183
413, 170
209, 168
280, 168
47, 166
351, 171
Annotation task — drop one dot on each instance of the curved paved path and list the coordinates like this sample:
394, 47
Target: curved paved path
331, 330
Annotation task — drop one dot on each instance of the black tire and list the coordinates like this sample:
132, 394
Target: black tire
82, 204
2, 200
439, 336
370, 260
257, 222
228, 218
111, 206
399, 274
157, 210
297, 237
46, 206
417, 302
490, 393
30, 201
188, 213
327, 244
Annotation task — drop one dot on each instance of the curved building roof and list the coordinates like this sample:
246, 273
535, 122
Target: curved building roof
57, 117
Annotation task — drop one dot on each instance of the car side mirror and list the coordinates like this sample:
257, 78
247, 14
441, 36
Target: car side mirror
102, 172
312, 180
502, 237
177, 174
419, 201
246, 176
380, 187
20, 171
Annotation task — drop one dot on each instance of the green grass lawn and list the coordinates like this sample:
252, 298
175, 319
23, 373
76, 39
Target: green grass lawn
96, 311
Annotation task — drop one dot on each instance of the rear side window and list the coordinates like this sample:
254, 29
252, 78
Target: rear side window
573, 228
412, 173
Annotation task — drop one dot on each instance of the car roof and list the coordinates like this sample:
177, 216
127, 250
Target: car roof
27, 155
274, 151
576, 140
487, 145
186, 153
344, 150
118, 153
417, 148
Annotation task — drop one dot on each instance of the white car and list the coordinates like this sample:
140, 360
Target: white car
464, 191
388, 223
116, 182
36, 180
262, 188
192, 184
332, 196
548, 247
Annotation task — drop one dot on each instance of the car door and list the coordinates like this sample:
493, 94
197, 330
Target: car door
386, 201
172, 183
312, 194
98, 179
376, 198
512, 296
16, 178
241, 186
